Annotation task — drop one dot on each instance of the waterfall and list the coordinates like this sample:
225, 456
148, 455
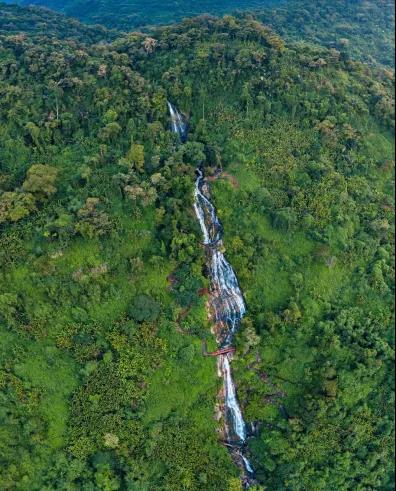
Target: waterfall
178, 122
206, 213
226, 300
247, 464
231, 403
229, 307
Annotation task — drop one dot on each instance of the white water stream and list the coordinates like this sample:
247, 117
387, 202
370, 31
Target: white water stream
178, 121
226, 300
228, 306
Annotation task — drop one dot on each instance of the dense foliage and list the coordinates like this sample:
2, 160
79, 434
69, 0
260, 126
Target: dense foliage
128, 14
102, 291
364, 29
44, 23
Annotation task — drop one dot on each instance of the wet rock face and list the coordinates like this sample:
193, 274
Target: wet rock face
226, 297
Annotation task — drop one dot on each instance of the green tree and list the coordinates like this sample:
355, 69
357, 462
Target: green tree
14, 206
40, 181
144, 308
136, 156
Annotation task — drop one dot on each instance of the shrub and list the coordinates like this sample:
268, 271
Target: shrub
144, 308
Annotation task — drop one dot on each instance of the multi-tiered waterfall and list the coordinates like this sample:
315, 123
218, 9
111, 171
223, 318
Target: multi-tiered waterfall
227, 309
227, 306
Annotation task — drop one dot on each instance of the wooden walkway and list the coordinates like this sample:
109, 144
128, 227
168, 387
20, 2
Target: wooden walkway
224, 351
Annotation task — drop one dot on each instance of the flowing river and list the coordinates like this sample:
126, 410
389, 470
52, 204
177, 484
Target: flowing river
227, 307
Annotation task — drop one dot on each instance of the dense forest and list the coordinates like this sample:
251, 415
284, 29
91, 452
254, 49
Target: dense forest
129, 14
103, 284
362, 28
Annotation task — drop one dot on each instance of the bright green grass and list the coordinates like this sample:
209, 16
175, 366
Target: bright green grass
55, 375
379, 145
269, 287
21, 280
79, 255
182, 388
322, 282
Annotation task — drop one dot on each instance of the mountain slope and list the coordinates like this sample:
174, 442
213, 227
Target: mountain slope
103, 290
135, 13
363, 29
36, 21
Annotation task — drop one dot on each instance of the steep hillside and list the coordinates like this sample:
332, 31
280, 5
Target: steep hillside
129, 14
363, 29
103, 286
44, 23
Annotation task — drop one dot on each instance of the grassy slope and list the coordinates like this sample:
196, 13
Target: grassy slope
286, 354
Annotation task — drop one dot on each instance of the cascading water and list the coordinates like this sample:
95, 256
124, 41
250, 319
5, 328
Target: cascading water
226, 302
178, 122
234, 411
228, 307
247, 464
